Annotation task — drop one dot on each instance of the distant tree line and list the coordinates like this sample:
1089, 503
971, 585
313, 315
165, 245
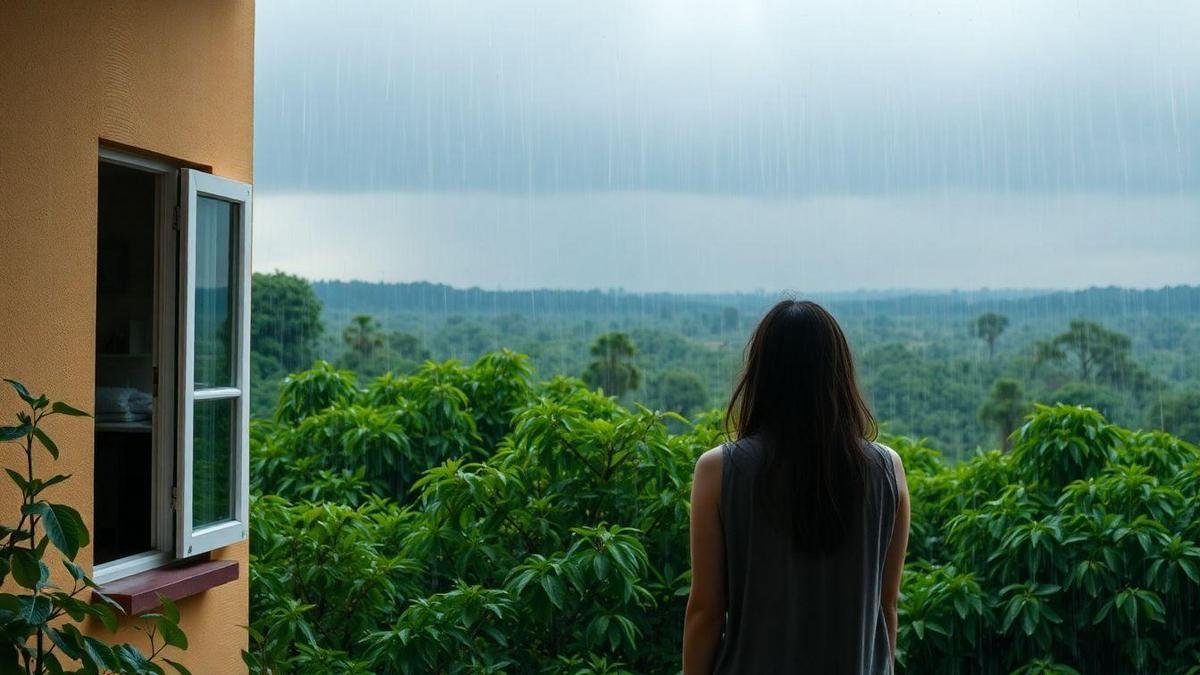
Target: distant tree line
923, 376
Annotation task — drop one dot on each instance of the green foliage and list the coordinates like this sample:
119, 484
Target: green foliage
1098, 355
305, 393
39, 630
911, 393
362, 337
1078, 558
989, 327
1004, 408
557, 539
678, 391
1178, 414
285, 331
1100, 397
568, 541
611, 369
285, 324
371, 352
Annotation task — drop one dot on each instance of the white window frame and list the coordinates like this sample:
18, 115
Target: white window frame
190, 540
162, 522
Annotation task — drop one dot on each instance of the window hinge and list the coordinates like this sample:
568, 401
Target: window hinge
174, 497
175, 219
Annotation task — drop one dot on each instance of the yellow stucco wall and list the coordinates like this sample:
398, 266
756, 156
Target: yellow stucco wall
173, 77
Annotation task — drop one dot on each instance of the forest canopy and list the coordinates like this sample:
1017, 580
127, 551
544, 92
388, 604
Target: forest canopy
938, 366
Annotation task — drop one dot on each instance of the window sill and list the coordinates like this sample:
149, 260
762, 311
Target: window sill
139, 593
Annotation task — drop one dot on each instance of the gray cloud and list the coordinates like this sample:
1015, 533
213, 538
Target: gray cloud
925, 144
652, 241
776, 98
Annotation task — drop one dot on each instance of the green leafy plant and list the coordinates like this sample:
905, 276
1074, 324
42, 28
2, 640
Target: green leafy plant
556, 540
39, 626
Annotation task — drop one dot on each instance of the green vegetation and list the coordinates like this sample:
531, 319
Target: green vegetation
989, 327
285, 329
678, 391
611, 369
39, 627
1004, 408
927, 362
413, 514
469, 519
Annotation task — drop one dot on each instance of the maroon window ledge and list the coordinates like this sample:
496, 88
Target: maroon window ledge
139, 593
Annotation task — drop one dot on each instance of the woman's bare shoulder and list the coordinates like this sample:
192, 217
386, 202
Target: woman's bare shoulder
710, 462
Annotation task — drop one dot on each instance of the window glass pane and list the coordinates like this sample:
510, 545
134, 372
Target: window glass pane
212, 461
216, 237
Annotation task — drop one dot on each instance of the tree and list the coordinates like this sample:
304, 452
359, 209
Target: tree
610, 369
362, 336
678, 391
1004, 408
408, 347
1097, 396
1099, 354
285, 321
989, 327
1178, 414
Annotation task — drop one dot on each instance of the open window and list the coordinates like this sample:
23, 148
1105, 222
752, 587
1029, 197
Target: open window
172, 364
214, 438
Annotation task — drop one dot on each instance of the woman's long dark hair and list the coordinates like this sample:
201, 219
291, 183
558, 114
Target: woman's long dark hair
799, 395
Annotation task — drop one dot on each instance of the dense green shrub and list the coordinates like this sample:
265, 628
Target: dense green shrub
543, 528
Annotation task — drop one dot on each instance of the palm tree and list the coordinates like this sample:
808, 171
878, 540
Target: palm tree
989, 327
362, 336
611, 369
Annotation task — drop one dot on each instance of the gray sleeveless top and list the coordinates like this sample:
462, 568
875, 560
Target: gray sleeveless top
790, 612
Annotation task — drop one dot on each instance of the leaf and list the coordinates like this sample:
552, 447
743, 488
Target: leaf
64, 643
105, 614
14, 433
63, 408
77, 573
553, 588
53, 480
26, 569
1029, 623
169, 609
19, 480
601, 565
171, 634
179, 667
61, 524
35, 609
133, 660
1131, 610
65, 515
100, 654
21, 391
49, 444
1014, 608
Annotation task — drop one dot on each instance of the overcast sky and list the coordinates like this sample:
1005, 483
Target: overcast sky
692, 145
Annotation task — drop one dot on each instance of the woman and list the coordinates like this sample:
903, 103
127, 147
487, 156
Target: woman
799, 526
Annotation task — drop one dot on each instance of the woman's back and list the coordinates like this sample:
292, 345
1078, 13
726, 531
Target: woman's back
790, 611
799, 527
